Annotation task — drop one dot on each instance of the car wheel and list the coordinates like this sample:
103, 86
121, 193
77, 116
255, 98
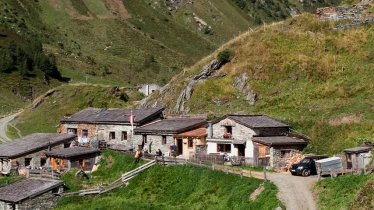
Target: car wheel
306, 172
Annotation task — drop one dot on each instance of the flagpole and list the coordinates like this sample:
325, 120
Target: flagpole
132, 131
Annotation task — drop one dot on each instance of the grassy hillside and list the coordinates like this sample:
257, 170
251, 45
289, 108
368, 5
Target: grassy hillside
345, 192
180, 187
65, 100
317, 79
138, 41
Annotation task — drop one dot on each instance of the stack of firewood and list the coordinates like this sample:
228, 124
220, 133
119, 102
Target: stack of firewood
292, 160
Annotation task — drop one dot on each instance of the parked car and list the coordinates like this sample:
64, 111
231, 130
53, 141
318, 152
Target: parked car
306, 166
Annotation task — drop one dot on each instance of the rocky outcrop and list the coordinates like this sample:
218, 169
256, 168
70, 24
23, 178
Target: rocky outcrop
175, 4
186, 93
241, 84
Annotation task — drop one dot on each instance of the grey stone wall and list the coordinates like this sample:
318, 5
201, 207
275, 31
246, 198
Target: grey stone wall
276, 159
154, 142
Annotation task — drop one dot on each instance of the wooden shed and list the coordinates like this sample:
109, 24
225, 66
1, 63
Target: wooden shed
358, 157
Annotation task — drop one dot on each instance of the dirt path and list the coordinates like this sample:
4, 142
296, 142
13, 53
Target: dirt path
4, 122
295, 192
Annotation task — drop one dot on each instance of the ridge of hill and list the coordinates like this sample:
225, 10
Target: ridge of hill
299, 70
139, 41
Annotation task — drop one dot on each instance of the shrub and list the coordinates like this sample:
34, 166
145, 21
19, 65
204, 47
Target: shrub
224, 56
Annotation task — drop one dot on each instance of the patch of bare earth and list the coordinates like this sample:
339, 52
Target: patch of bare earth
68, 9
257, 192
118, 8
350, 119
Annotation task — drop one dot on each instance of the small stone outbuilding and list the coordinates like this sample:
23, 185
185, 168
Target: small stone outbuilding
31, 194
29, 151
74, 157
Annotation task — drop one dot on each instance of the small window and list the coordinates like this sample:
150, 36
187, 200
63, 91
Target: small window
144, 138
190, 142
163, 139
72, 130
224, 148
124, 135
27, 162
84, 133
67, 145
43, 161
112, 135
228, 132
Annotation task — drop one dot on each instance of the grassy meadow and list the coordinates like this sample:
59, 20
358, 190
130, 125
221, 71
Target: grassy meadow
173, 187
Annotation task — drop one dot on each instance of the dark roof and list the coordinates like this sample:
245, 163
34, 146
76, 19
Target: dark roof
357, 150
113, 116
72, 152
28, 188
31, 143
279, 140
171, 126
255, 121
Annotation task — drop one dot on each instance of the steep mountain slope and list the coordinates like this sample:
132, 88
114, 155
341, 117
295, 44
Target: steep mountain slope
300, 70
138, 41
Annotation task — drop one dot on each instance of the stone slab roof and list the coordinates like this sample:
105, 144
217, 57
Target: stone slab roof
32, 143
358, 150
28, 188
171, 126
279, 141
257, 121
72, 152
112, 116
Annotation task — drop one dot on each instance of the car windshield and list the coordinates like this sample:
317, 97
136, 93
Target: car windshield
306, 160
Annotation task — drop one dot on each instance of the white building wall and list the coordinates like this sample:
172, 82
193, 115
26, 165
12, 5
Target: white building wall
239, 132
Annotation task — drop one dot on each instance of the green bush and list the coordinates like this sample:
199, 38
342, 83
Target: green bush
224, 56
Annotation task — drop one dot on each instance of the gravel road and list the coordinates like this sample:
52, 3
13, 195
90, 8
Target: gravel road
4, 126
295, 192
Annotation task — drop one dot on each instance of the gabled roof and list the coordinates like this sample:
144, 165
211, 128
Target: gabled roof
254, 121
113, 116
29, 188
32, 143
72, 152
171, 126
279, 141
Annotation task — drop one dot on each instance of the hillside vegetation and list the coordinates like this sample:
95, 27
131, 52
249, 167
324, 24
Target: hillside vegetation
301, 71
345, 192
180, 187
65, 100
139, 41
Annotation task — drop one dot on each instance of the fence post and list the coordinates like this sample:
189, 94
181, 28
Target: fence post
250, 172
265, 178
213, 166
241, 173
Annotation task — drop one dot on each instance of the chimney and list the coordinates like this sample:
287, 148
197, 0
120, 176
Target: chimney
210, 129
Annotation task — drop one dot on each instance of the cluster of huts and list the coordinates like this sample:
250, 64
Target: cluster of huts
255, 139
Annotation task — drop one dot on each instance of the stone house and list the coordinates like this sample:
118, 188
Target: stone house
235, 135
30, 194
110, 125
74, 157
161, 134
29, 151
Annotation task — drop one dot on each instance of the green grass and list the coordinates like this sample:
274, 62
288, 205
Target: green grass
112, 166
67, 100
303, 73
340, 192
365, 198
5, 180
180, 187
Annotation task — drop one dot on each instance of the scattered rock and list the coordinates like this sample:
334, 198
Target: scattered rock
208, 71
240, 83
